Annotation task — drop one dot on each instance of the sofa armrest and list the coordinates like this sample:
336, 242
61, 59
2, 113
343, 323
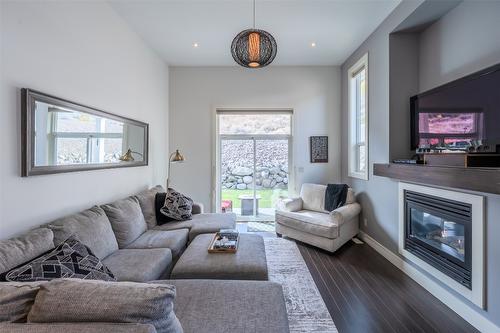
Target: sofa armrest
346, 212
289, 204
76, 328
197, 208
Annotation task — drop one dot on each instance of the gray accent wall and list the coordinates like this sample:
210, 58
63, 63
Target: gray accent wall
464, 40
378, 196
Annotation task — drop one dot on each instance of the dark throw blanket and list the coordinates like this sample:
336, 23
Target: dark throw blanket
335, 196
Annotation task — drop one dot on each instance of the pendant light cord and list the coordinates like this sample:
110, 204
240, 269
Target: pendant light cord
254, 14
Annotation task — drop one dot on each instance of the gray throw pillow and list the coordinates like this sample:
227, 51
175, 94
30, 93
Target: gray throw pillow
177, 206
73, 300
16, 300
126, 220
16, 251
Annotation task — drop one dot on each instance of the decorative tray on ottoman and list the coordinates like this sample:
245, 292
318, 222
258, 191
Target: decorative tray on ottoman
225, 241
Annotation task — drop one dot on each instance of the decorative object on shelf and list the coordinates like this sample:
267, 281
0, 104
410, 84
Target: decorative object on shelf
175, 157
318, 146
254, 48
128, 156
62, 136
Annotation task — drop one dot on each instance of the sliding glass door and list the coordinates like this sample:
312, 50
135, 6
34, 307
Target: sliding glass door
253, 159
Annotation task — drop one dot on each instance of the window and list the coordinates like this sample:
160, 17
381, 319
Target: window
358, 119
81, 138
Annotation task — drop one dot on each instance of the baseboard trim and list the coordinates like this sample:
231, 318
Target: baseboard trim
450, 300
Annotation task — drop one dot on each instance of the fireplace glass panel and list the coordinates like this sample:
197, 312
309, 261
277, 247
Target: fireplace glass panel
438, 232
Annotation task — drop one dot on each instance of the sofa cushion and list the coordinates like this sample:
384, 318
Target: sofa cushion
16, 300
319, 224
77, 328
202, 224
126, 220
91, 227
175, 240
16, 251
139, 265
147, 202
70, 259
72, 300
211, 306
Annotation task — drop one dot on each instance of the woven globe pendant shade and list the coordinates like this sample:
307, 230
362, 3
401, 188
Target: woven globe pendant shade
254, 48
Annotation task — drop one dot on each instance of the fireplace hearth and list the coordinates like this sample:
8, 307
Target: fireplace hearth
442, 233
438, 231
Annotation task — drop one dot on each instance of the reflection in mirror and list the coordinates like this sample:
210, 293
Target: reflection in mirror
67, 137
64, 136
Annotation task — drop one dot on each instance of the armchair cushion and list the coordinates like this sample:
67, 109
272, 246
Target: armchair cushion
316, 223
290, 204
313, 197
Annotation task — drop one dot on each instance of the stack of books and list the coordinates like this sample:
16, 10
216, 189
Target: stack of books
225, 240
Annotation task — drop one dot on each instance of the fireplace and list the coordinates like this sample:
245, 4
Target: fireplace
442, 233
438, 231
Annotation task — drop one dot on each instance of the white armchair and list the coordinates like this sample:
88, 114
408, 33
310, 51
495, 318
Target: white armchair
305, 219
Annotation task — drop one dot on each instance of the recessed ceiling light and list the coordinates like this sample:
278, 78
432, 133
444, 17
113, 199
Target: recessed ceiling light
313, 44
195, 45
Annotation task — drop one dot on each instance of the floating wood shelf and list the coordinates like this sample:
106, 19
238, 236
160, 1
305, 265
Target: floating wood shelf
475, 179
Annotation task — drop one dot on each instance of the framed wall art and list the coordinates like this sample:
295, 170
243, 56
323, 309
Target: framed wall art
318, 146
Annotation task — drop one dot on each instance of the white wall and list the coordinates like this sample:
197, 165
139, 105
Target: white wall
84, 52
312, 92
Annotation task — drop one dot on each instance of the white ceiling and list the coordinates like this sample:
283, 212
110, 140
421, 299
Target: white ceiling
171, 27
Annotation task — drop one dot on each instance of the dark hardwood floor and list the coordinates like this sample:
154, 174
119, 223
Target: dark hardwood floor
365, 293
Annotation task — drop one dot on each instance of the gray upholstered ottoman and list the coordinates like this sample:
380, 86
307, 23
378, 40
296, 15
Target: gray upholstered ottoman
248, 263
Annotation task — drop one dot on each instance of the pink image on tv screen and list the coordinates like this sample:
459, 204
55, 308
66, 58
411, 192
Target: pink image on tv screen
448, 123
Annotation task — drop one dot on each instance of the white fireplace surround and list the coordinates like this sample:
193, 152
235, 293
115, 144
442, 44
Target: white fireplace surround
476, 295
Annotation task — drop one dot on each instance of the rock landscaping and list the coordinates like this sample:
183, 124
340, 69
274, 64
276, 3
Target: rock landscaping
271, 166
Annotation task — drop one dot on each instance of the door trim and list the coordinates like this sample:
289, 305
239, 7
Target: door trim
216, 172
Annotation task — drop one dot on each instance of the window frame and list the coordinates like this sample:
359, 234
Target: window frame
354, 123
94, 140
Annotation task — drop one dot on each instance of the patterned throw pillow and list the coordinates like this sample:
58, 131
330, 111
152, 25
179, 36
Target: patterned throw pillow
177, 206
71, 259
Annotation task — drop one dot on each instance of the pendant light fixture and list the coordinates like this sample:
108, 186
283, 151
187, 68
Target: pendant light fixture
254, 48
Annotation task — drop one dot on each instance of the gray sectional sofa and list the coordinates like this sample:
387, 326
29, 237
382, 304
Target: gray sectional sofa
125, 236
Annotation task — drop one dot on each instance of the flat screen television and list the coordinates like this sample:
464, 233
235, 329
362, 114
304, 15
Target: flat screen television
459, 114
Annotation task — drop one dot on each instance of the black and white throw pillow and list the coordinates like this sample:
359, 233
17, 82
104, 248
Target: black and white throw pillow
71, 259
177, 206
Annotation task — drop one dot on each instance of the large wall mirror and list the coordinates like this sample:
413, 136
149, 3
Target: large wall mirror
62, 136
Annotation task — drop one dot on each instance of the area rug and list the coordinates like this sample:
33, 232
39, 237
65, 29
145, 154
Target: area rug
306, 309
